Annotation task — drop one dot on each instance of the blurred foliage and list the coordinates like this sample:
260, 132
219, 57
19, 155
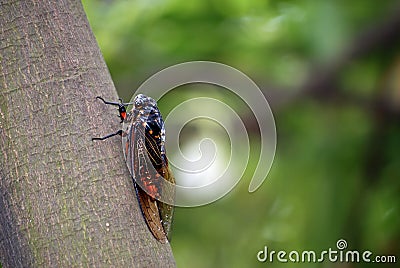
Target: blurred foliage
336, 172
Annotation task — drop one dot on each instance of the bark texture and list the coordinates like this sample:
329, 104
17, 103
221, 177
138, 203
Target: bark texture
64, 200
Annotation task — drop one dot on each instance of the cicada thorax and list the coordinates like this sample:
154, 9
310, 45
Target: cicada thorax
144, 150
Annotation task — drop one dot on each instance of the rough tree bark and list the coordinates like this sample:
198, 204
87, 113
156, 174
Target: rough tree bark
64, 200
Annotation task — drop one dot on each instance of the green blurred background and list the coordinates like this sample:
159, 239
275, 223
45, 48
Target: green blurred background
331, 73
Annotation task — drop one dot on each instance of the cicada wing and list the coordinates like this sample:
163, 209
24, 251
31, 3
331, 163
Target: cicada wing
150, 211
167, 210
140, 167
156, 151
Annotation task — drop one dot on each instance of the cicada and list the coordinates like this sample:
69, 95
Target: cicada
143, 141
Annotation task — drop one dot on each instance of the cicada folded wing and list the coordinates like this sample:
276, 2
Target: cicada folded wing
155, 147
167, 210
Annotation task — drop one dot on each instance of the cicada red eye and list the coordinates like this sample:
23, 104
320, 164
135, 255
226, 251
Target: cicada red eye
123, 115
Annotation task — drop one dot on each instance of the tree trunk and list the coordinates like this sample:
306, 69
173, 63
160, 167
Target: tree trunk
65, 201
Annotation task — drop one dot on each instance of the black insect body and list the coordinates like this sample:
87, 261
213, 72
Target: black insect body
143, 137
